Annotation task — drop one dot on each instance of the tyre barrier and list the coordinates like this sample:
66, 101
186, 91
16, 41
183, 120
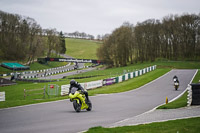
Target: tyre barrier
193, 96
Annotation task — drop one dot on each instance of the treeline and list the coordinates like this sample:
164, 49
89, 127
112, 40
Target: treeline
81, 35
23, 39
174, 38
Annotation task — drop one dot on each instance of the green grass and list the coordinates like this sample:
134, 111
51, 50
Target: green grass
190, 125
15, 94
4, 70
179, 64
197, 77
38, 66
82, 49
182, 101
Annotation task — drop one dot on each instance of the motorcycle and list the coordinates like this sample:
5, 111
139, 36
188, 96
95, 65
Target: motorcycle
79, 100
176, 85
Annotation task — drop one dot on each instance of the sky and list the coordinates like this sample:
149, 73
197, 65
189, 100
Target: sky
96, 17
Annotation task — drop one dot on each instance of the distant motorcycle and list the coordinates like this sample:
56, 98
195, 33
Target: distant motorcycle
176, 82
79, 100
176, 85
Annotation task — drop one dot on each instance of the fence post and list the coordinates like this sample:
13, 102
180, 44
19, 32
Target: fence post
44, 92
24, 93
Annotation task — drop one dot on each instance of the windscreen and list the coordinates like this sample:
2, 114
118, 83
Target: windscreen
73, 90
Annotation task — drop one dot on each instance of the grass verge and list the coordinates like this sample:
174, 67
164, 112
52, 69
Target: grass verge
82, 49
190, 125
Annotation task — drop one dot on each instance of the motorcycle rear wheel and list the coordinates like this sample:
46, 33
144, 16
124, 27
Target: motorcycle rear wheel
77, 107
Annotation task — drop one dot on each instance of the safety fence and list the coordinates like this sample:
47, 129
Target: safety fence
41, 93
33, 92
109, 81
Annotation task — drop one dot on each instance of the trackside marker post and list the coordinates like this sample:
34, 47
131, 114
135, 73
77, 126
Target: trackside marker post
166, 100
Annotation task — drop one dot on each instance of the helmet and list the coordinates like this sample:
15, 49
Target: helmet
72, 82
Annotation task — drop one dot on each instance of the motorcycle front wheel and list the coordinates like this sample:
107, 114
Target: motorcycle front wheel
89, 106
176, 88
77, 107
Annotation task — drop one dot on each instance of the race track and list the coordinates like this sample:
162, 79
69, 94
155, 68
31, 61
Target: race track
60, 117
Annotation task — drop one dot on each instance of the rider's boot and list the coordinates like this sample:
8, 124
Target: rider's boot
87, 100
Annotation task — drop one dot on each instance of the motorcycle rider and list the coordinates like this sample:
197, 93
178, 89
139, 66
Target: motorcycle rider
73, 83
175, 79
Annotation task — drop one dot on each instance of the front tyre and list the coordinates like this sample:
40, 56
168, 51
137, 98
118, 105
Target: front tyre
77, 107
89, 106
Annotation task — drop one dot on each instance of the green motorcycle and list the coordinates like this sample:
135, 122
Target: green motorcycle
79, 100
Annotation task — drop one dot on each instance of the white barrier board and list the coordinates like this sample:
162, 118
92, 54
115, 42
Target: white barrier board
2, 96
64, 89
126, 76
93, 84
136, 73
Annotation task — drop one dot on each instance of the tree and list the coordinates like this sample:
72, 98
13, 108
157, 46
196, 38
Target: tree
51, 41
62, 43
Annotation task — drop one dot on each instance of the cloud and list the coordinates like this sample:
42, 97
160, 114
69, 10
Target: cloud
96, 16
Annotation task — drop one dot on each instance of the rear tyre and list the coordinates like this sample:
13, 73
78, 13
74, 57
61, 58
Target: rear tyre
77, 107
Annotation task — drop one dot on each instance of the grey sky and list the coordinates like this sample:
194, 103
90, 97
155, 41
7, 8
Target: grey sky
96, 16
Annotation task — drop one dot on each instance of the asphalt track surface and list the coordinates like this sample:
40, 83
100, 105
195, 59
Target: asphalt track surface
60, 117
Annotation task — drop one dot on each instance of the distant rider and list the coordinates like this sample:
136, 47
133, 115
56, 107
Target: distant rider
73, 83
175, 78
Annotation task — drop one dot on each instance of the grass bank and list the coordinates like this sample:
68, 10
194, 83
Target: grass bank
175, 126
82, 49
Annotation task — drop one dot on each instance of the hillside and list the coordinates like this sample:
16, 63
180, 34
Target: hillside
83, 49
